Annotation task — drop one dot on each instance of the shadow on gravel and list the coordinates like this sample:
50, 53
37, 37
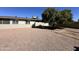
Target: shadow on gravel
47, 27
76, 48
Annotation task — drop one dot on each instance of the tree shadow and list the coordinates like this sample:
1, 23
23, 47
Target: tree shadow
47, 27
76, 48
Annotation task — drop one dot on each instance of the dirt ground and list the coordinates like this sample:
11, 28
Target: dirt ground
28, 39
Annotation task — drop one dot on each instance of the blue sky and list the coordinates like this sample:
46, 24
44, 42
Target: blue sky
33, 11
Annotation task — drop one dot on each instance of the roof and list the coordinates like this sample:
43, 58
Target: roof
13, 17
8, 17
19, 18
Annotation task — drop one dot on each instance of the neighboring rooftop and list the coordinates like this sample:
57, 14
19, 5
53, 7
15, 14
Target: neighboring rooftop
10, 17
20, 18
14, 17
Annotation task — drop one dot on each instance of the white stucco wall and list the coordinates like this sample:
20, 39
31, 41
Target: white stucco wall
32, 22
38, 23
10, 21
41, 23
21, 22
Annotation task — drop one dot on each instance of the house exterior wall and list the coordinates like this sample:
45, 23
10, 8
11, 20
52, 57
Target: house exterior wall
10, 21
21, 22
25, 25
41, 23
32, 22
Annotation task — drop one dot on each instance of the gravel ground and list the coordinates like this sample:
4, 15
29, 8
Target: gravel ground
28, 39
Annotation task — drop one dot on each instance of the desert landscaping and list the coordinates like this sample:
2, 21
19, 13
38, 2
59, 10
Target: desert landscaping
33, 39
52, 30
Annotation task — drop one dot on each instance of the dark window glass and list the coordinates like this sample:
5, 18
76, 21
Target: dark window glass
27, 22
0, 21
6, 21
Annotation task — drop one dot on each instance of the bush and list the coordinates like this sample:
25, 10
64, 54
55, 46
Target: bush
72, 25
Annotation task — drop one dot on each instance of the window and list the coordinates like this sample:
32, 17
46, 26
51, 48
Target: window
6, 21
0, 21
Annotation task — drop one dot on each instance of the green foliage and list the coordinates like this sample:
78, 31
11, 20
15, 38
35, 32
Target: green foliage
67, 15
48, 13
55, 17
49, 16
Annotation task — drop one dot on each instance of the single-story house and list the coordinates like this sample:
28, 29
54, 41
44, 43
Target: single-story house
20, 20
